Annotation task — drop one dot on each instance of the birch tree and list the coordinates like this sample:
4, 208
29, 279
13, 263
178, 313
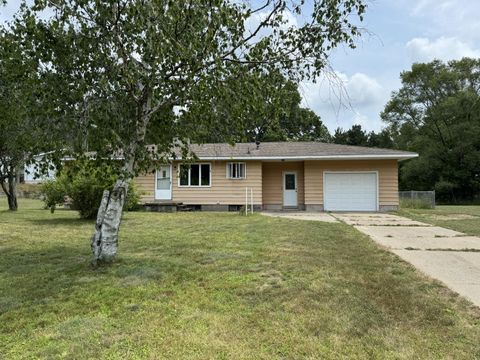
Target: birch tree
121, 65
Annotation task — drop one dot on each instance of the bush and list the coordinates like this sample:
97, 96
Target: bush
54, 194
84, 186
86, 192
132, 202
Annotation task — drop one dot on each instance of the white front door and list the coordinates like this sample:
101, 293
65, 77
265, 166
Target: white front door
163, 183
290, 189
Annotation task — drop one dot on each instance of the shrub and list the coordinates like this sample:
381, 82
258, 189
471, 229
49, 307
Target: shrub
132, 202
84, 186
54, 193
86, 192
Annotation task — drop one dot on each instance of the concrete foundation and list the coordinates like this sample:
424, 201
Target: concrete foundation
215, 207
272, 207
280, 207
386, 208
159, 207
218, 207
314, 207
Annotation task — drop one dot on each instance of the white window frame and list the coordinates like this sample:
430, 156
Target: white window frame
199, 174
236, 178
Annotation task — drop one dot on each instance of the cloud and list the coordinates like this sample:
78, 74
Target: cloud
443, 48
452, 17
342, 100
423, 6
251, 24
363, 90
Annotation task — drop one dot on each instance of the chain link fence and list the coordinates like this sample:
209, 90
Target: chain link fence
417, 199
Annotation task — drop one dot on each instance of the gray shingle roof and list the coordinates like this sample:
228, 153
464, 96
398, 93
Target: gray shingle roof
294, 150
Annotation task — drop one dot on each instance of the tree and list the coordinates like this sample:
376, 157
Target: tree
276, 116
436, 113
382, 139
122, 67
354, 136
17, 132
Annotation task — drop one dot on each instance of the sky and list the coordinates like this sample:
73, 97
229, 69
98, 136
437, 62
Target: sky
398, 33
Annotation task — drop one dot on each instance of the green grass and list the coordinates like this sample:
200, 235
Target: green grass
218, 285
415, 204
463, 218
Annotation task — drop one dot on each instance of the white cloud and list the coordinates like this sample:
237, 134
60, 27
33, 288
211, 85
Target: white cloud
452, 17
423, 6
363, 90
251, 24
443, 48
342, 100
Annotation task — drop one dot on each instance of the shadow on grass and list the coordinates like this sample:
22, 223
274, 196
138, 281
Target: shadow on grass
68, 221
32, 276
61, 221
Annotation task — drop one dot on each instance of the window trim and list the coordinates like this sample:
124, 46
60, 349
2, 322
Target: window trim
199, 175
237, 178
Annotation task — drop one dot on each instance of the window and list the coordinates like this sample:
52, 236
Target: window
194, 175
236, 170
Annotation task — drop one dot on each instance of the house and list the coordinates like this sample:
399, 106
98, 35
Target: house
31, 174
310, 176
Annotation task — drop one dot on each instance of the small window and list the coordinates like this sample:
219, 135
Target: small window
194, 175
236, 170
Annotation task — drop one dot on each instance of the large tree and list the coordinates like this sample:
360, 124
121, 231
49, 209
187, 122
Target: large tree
353, 136
359, 137
276, 115
123, 67
436, 113
18, 136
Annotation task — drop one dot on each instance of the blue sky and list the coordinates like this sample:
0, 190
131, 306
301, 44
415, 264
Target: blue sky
400, 32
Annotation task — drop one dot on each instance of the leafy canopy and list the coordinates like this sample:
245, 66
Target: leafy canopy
436, 112
117, 75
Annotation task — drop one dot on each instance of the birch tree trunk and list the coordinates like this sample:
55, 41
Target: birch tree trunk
105, 239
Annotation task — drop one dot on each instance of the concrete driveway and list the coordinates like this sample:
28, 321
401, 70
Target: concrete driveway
302, 215
443, 254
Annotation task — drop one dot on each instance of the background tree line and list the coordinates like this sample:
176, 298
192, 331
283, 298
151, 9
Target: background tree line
436, 113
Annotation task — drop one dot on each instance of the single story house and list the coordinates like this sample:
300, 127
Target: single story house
310, 176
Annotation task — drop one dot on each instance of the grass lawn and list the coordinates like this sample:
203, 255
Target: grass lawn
465, 219
218, 285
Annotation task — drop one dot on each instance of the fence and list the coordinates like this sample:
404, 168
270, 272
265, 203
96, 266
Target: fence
417, 199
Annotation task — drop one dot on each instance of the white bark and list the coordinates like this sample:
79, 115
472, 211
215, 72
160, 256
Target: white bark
105, 239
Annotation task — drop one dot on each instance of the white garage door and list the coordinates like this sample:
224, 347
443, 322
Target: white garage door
350, 191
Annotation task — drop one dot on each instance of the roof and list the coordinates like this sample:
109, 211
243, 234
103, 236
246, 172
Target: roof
294, 151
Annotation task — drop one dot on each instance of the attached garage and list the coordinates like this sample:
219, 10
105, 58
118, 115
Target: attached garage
350, 191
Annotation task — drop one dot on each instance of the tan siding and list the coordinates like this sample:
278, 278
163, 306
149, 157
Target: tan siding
223, 191
310, 182
273, 181
146, 185
387, 174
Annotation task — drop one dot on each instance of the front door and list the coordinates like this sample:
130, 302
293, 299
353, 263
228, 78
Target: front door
290, 189
163, 183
